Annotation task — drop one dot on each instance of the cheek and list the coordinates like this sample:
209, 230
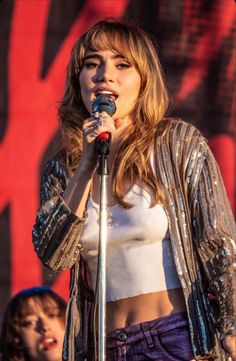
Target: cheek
86, 81
84, 89
59, 330
82, 83
136, 84
29, 342
132, 87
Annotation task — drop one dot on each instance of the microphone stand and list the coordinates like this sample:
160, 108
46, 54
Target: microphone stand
103, 147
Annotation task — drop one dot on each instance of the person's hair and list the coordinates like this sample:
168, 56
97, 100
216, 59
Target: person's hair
132, 159
11, 348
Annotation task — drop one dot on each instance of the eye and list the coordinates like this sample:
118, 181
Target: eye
123, 65
91, 64
28, 323
54, 315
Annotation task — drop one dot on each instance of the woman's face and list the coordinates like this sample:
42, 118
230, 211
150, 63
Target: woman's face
42, 332
107, 72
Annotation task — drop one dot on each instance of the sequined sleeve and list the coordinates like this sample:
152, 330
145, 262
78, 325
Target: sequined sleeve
214, 227
57, 230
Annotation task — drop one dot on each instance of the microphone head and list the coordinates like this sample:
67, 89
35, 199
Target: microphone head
104, 103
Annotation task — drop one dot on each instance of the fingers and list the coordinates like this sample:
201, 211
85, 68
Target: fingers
92, 127
98, 123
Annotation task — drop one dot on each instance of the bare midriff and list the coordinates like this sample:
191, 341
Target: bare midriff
133, 310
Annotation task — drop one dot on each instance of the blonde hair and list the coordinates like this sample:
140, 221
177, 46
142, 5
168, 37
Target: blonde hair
132, 161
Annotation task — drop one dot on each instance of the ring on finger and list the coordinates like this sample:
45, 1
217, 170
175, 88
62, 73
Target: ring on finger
96, 115
98, 124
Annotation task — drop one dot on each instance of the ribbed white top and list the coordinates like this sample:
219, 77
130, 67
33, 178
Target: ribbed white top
139, 252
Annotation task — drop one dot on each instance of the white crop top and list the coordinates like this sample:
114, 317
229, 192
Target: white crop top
139, 253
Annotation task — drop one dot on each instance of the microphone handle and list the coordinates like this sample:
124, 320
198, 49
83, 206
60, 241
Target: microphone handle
103, 143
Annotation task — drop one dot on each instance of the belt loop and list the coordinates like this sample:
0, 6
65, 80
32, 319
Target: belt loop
147, 334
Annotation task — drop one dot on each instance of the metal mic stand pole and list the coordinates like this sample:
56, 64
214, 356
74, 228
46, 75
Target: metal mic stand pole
103, 171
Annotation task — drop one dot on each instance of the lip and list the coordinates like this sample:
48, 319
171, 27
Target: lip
48, 343
110, 92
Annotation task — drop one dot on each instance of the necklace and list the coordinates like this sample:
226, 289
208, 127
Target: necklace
110, 218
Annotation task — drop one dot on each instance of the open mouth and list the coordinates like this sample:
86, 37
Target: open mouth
109, 93
48, 343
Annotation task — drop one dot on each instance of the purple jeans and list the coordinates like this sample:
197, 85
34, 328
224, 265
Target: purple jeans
164, 339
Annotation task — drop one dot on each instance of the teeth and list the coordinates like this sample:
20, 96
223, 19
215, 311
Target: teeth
49, 340
105, 92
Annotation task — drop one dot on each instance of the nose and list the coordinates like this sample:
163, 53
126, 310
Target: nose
105, 73
44, 326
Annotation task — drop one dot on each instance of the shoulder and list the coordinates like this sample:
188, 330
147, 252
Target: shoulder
171, 127
182, 144
176, 131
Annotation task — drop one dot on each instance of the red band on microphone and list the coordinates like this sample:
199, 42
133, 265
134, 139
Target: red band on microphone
104, 135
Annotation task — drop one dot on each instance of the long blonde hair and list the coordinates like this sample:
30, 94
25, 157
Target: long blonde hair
132, 161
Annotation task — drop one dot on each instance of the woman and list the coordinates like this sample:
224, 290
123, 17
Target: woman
170, 227
33, 326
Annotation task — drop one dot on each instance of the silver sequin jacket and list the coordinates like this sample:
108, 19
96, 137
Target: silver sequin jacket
202, 233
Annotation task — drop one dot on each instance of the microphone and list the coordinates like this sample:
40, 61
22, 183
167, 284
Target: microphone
104, 103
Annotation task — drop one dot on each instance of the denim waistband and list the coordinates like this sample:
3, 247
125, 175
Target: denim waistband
162, 324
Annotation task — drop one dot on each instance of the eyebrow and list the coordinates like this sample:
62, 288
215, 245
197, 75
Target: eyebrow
98, 56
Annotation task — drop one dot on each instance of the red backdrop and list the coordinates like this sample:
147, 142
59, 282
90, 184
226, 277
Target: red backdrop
195, 41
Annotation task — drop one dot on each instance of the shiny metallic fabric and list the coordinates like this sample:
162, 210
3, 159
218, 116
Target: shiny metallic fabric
202, 231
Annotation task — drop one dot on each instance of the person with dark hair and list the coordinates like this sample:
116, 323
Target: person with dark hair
33, 326
170, 229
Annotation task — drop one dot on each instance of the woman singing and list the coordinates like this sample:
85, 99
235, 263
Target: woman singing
170, 229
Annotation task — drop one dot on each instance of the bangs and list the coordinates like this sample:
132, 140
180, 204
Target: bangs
27, 307
117, 40
44, 302
110, 41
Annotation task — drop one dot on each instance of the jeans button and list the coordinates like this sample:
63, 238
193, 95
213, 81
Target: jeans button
122, 336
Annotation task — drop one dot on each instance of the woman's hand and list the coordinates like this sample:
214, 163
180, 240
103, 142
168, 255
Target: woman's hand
229, 345
92, 127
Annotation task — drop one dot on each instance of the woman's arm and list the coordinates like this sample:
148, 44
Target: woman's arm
214, 228
61, 217
57, 229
